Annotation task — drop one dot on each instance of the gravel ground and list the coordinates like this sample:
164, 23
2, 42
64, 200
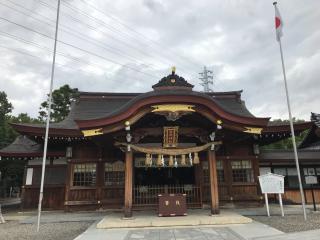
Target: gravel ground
13, 230
291, 223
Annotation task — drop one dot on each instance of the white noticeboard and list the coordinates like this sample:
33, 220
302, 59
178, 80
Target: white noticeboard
29, 176
272, 183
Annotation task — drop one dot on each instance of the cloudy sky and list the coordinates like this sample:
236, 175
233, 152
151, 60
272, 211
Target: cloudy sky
126, 46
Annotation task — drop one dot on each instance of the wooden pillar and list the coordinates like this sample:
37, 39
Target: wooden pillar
228, 177
100, 182
212, 162
128, 185
68, 184
100, 177
256, 173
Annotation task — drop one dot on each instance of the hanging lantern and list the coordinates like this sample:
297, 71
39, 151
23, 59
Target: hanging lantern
183, 160
175, 162
159, 161
196, 158
171, 161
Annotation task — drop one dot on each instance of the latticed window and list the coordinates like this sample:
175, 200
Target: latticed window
290, 176
206, 173
84, 174
206, 176
114, 174
242, 171
220, 171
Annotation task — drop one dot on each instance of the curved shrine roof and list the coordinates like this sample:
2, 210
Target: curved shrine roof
23, 146
99, 105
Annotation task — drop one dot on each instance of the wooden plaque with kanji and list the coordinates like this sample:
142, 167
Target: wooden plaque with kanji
170, 137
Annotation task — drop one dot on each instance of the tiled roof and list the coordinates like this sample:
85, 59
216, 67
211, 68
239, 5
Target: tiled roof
101, 105
172, 80
22, 144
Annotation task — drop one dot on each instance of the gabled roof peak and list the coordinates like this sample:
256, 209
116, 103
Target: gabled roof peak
173, 81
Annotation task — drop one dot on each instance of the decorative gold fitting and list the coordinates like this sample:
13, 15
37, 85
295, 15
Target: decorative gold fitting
92, 132
253, 130
173, 108
219, 122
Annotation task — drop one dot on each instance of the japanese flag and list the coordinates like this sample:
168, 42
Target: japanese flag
278, 23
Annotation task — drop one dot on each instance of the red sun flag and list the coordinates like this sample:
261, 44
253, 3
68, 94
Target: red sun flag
278, 23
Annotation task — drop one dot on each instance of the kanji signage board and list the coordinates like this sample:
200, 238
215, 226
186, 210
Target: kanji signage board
170, 137
311, 180
172, 205
271, 183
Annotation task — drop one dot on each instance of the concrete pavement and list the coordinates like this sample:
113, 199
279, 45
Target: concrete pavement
250, 231
221, 232
195, 217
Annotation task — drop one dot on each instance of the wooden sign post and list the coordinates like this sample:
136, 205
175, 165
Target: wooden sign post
311, 179
272, 183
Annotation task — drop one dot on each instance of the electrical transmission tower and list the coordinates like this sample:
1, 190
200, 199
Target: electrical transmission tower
206, 79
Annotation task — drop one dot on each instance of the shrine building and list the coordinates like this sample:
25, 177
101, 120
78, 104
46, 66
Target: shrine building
120, 150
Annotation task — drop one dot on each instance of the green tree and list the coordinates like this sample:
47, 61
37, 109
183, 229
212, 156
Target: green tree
11, 169
61, 102
7, 135
11, 174
23, 118
5, 107
286, 143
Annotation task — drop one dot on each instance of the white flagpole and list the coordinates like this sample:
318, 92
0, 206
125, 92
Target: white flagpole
48, 120
292, 129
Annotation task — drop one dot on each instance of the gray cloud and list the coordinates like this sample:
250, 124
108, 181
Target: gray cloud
235, 39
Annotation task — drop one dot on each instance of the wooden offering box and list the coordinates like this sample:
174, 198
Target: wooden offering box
172, 205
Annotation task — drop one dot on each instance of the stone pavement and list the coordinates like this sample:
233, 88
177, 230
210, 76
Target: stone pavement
195, 217
184, 233
225, 232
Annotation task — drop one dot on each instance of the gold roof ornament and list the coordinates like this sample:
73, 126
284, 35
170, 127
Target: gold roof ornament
92, 132
219, 122
173, 108
253, 130
173, 69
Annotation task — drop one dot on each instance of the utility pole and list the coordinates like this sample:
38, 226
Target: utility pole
206, 79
